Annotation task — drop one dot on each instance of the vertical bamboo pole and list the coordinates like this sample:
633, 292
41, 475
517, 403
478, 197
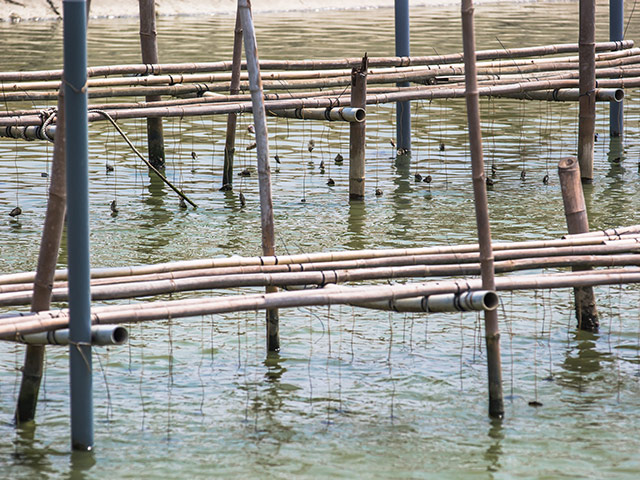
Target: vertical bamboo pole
403, 109
229, 146
616, 33
587, 84
492, 333
575, 211
149, 47
262, 148
77, 149
357, 132
47, 260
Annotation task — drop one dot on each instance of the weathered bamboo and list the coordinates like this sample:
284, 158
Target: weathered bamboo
414, 73
610, 233
147, 69
32, 370
598, 255
358, 255
587, 113
477, 300
570, 95
279, 276
19, 324
230, 140
492, 332
149, 47
264, 171
575, 211
344, 114
321, 102
357, 132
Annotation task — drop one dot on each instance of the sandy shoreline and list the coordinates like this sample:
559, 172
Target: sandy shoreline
47, 10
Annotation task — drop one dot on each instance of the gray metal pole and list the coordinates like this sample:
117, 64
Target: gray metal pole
76, 127
616, 33
403, 109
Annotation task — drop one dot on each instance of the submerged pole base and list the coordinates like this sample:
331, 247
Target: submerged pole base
586, 310
273, 330
30, 386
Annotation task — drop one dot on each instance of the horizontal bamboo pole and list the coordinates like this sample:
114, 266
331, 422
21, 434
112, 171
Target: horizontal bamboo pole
610, 233
570, 95
12, 327
393, 96
306, 258
597, 255
609, 68
314, 79
345, 114
503, 66
467, 266
348, 63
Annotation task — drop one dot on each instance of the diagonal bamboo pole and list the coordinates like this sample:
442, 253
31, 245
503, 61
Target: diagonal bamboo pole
43, 282
262, 147
492, 334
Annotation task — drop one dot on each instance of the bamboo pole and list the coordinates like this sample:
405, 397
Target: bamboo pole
549, 256
357, 132
264, 173
376, 75
492, 333
229, 146
611, 233
19, 324
275, 276
577, 222
32, 369
145, 69
587, 113
149, 47
344, 114
306, 258
611, 95
322, 102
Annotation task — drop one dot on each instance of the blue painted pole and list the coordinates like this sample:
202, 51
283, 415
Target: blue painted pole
403, 109
76, 126
616, 33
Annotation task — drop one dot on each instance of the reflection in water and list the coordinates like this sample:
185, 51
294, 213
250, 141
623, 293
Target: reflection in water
401, 219
81, 464
494, 451
29, 452
356, 221
582, 361
153, 235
